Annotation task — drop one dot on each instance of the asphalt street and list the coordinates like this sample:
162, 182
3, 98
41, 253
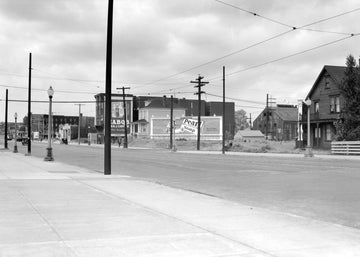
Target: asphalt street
322, 189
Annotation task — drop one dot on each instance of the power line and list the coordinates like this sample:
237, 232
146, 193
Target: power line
255, 14
247, 106
261, 42
291, 26
288, 56
238, 99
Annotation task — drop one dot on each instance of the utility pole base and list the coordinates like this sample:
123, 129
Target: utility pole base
308, 152
49, 157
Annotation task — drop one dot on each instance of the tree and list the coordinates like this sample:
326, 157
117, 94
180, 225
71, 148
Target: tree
241, 122
348, 128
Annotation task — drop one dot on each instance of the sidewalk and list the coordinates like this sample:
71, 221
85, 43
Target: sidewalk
53, 209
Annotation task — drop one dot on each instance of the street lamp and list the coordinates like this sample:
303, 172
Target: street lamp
49, 156
308, 151
15, 145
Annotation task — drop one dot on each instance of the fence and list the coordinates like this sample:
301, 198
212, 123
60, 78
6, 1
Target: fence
345, 147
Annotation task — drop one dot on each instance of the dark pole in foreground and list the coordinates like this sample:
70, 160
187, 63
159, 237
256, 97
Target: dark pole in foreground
6, 121
171, 121
223, 113
29, 109
107, 141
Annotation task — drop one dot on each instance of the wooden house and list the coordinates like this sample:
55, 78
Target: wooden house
325, 108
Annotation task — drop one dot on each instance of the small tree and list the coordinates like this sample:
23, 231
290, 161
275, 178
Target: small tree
349, 126
241, 122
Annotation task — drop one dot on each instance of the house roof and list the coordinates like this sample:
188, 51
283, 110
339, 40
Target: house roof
163, 103
287, 113
337, 73
249, 133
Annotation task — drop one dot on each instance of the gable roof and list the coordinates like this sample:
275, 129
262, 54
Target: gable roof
287, 113
337, 73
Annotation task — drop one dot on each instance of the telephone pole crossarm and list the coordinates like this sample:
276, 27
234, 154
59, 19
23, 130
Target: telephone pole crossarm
199, 85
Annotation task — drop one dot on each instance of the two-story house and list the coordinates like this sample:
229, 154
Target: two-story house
278, 123
325, 108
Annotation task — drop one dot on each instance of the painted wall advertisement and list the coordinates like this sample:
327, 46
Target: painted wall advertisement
118, 116
187, 127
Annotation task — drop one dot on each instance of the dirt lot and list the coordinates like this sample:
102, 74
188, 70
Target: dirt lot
236, 146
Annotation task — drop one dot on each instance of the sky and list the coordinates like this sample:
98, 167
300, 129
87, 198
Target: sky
267, 47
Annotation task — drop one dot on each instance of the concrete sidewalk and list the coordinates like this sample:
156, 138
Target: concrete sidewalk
53, 209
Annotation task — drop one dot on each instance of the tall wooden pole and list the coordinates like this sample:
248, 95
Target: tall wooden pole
29, 109
223, 113
171, 121
107, 141
6, 120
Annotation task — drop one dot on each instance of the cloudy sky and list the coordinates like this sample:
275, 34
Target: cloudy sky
159, 46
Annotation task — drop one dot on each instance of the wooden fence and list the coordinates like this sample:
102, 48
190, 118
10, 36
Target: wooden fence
345, 147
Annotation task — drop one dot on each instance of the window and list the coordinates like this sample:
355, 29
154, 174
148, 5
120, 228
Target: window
317, 107
317, 132
327, 82
334, 104
328, 132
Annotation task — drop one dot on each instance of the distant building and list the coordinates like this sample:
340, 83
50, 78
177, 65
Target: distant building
39, 123
156, 108
140, 110
249, 135
117, 114
278, 123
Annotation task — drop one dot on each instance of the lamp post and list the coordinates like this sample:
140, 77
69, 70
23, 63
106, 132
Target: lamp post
308, 151
15, 145
49, 156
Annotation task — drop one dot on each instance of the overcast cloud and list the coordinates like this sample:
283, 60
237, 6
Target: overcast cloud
154, 39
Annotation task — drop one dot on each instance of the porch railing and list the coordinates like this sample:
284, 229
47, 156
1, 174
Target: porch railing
345, 147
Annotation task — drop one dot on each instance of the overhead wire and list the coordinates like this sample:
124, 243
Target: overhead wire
293, 28
288, 56
219, 58
237, 99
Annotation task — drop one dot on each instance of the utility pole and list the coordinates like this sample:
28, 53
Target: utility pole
199, 85
250, 122
223, 112
267, 116
171, 121
107, 130
6, 120
29, 109
79, 123
125, 118
269, 101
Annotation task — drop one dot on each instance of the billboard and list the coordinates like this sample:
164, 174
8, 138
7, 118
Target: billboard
187, 127
118, 115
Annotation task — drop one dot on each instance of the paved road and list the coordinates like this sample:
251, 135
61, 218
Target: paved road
324, 189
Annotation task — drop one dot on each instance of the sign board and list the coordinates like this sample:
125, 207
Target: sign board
118, 115
186, 127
